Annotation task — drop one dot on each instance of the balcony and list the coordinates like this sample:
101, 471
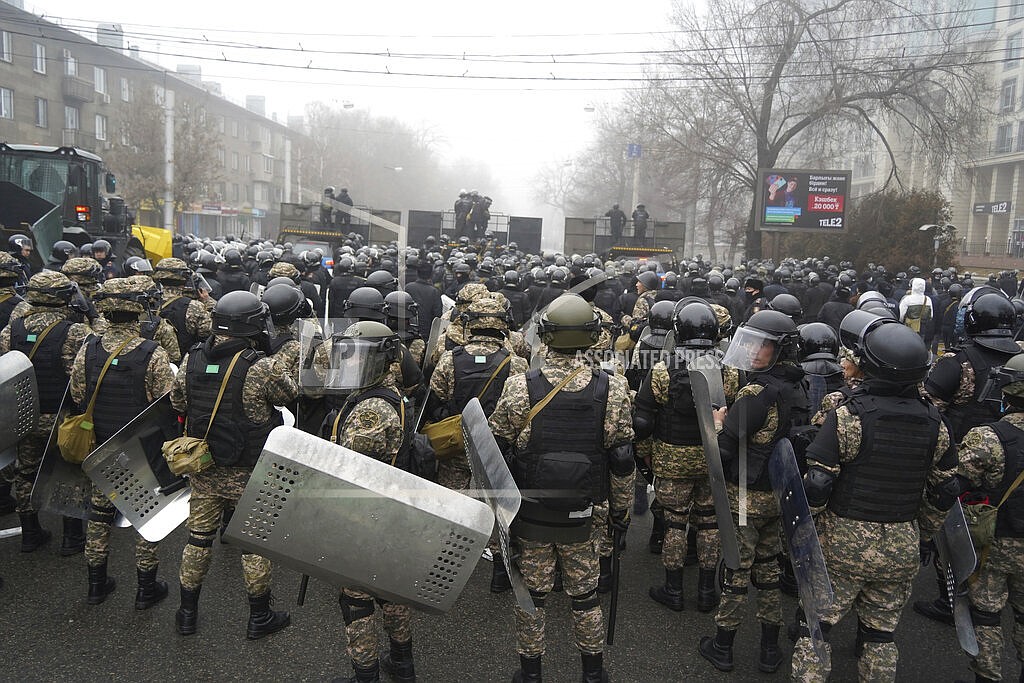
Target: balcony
72, 137
77, 89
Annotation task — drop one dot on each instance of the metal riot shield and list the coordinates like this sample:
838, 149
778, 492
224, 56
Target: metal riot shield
956, 552
706, 385
130, 469
314, 353
350, 520
812, 580
60, 487
19, 397
494, 483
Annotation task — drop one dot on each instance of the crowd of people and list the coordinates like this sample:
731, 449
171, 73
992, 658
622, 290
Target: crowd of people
902, 394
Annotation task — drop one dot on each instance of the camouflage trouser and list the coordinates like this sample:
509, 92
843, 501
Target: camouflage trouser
600, 535
454, 474
878, 605
759, 548
361, 630
26, 467
683, 500
1001, 578
580, 572
212, 491
97, 536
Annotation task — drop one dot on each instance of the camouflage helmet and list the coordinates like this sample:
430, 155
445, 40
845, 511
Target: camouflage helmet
10, 269
485, 313
84, 270
570, 324
1013, 390
128, 294
470, 293
284, 269
172, 271
50, 288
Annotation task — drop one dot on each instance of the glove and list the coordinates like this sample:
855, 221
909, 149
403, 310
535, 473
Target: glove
618, 520
928, 552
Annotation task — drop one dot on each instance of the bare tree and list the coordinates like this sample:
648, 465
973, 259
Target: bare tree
761, 83
137, 153
196, 143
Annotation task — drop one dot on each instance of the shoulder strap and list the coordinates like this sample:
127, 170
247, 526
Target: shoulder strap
220, 394
41, 337
170, 301
1013, 487
103, 372
508, 358
551, 394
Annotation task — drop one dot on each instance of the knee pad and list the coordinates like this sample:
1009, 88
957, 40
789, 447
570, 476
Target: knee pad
201, 539
866, 634
586, 601
353, 609
983, 618
804, 631
539, 597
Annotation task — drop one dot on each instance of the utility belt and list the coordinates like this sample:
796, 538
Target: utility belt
537, 522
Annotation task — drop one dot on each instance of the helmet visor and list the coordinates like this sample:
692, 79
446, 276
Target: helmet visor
752, 350
355, 363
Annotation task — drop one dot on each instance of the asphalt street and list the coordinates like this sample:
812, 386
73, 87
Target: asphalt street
49, 633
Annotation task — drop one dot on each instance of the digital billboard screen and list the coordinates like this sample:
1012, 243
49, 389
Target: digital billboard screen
802, 200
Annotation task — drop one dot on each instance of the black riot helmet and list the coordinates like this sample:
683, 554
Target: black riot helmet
401, 305
511, 278
891, 352
15, 243
788, 304
696, 325
232, 259
661, 315
62, 250
989, 320
286, 304
383, 281
365, 303
767, 338
239, 314
818, 341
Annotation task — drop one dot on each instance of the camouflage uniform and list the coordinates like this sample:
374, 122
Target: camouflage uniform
871, 565
31, 448
283, 269
159, 379
373, 428
579, 561
173, 274
267, 384
1001, 574
641, 309
456, 332
197, 316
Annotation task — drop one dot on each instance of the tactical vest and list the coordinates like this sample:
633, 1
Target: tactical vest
174, 312
676, 421
784, 390
122, 395
471, 376
7, 304
235, 440
565, 456
278, 342
885, 481
48, 361
1010, 519
976, 412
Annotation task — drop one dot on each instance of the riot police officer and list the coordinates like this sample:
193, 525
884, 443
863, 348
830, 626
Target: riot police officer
232, 276
10, 274
183, 302
426, 295
567, 412
517, 298
253, 385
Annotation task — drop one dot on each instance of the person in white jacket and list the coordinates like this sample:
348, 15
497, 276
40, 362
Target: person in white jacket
916, 308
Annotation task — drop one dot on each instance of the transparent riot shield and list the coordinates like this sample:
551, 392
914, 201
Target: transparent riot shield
957, 555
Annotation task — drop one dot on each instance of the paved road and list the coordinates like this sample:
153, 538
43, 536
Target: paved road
49, 633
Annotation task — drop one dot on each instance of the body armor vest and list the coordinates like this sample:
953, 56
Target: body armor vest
677, 420
470, 378
976, 412
122, 395
565, 453
1010, 518
174, 312
886, 480
48, 363
235, 440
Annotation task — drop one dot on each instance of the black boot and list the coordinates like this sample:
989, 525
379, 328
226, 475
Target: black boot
500, 583
364, 674
262, 620
671, 594
707, 595
100, 585
150, 591
787, 581
33, 536
398, 662
604, 580
657, 539
188, 610
593, 668
770, 657
718, 650
529, 670
73, 540
936, 610
7, 503
691, 546
640, 497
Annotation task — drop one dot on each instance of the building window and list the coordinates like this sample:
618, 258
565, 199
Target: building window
222, 158
1013, 50
101, 127
1007, 95
42, 113
248, 163
126, 90
1017, 9
6, 103
99, 80
234, 192
70, 64
234, 161
234, 129
71, 118
220, 124
5, 46
268, 164
39, 66
1004, 138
